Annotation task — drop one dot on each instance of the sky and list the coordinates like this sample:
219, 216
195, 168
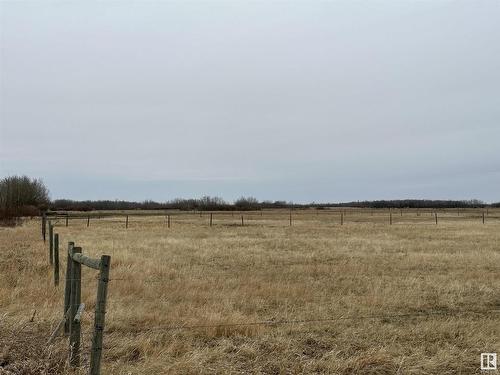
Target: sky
304, 101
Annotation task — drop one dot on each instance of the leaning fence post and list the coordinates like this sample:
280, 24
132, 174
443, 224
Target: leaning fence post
100, 314
51, 243
56, 259
75, 329
67, 288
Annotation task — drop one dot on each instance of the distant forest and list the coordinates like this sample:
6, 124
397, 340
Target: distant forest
25, 196
249, 203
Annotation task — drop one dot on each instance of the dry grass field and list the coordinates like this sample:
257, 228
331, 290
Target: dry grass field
362, 298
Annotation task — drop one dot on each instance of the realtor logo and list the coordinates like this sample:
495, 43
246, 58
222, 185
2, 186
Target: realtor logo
488, 361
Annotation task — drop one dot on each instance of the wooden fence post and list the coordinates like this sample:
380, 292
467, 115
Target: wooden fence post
168, 221
126, 222
88, 221
390, 218
51, 243
67, 219
436, 217
210, 219
67, 288
100, 314
242, 223
56, 259
290, 218
75, 329
342, 218
483, 217
44, 225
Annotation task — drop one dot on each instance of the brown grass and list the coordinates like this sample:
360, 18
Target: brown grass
194, 275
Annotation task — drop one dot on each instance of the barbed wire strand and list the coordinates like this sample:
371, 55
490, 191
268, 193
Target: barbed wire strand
323, 320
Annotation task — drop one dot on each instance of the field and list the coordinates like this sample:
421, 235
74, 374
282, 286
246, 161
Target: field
365, 297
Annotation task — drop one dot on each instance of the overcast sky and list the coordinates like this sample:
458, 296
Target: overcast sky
303, 100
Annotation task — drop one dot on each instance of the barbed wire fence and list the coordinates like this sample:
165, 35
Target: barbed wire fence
75, 305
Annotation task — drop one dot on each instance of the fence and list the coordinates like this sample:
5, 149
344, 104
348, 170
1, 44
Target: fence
290, 217
73, 307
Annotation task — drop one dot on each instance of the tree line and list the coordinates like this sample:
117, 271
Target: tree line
25, 196
249, 203
22, 196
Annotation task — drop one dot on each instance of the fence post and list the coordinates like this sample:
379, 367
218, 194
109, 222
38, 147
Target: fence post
436, 217
242, 223
342, 218
75, 329
210, 219
51, 243
67, 219
44, 225
56, 259
100, 314
168, 221
290, 217
483, 217
390, 218
88, 221
67, 288
126, 222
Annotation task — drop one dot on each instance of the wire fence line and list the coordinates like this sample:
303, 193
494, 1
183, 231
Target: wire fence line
258, 218
451, 313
